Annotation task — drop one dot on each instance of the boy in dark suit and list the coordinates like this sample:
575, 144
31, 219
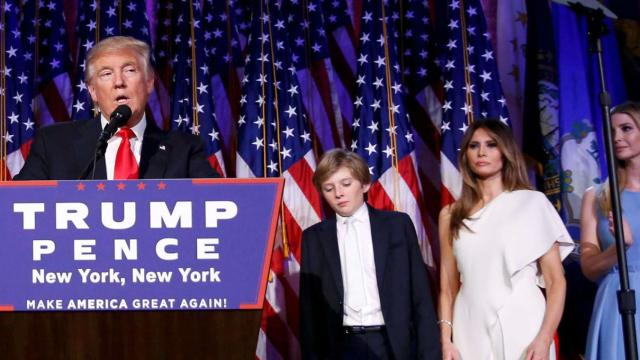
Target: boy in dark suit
364, 291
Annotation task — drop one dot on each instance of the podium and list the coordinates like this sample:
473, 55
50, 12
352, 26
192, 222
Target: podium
137, 269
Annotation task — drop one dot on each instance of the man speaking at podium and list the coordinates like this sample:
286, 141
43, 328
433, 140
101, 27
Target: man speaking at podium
119, 143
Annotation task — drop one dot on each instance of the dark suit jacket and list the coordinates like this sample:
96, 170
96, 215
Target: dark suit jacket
403, 287
62, 151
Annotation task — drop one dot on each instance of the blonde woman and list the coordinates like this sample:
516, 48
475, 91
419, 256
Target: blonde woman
599, 257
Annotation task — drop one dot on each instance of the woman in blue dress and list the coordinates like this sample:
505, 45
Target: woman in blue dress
598, 256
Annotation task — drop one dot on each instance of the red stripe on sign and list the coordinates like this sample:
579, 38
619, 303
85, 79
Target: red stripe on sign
30, 183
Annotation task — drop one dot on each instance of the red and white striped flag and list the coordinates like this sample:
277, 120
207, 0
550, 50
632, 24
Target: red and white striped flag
274, 140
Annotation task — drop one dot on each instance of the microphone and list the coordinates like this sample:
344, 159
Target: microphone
118, 118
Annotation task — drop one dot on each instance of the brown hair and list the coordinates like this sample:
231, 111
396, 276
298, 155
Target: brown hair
514, 171
335, 159
113, 44
632, 109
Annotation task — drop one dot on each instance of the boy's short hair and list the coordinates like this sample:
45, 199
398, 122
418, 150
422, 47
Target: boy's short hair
335, 159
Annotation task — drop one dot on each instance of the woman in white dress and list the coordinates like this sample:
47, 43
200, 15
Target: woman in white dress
500, 242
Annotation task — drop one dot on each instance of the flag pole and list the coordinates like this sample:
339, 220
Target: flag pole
36, 62
194, 72
283, 223
3, 94
626, 296
465, 56
390, 113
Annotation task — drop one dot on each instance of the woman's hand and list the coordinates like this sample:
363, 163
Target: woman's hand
450, 352
626, 229
538, 349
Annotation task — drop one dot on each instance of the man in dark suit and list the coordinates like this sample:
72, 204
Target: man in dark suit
364, 290
118, 72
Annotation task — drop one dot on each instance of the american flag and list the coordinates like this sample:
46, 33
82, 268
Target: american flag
423, 88
46, 86
92, 25
471, 85
225, 61
381, 131
47, 39
310, 57
342, 39
344, 27
163, 54
274, 140
192, 109
17, 63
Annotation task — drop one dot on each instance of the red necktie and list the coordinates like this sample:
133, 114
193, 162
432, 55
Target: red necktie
126, 165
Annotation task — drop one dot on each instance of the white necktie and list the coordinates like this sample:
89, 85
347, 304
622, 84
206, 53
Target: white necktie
355, 277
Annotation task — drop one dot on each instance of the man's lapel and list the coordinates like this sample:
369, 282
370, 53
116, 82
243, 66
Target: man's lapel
154, 154
380, 244
329, 243
85, 142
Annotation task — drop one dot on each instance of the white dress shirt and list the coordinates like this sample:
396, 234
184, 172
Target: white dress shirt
114, 143
368, 312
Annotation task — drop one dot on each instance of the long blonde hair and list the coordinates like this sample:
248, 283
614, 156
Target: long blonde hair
632, 109
514, 171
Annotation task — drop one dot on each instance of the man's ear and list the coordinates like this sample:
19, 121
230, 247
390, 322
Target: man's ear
92, 92
150, 81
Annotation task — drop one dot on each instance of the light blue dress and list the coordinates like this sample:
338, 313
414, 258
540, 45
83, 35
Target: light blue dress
605, 339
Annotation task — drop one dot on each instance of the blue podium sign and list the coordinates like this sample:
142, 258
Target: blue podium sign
136, 244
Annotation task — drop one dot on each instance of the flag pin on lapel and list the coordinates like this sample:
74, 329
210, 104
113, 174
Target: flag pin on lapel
162, 147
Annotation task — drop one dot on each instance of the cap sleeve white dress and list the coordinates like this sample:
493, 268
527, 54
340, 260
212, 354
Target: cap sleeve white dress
500, 307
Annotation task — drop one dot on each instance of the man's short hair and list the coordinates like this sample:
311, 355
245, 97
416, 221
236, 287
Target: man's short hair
113, 44
335, 159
